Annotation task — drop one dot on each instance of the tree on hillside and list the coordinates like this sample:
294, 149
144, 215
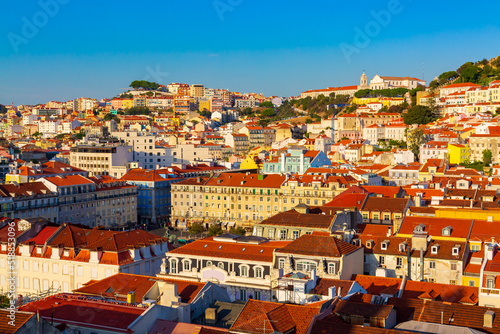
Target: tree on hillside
464, 66
268, 112
417, 138
419, 115
447, 76
470, 74
487, 157
137, 111
266, 104
144, 84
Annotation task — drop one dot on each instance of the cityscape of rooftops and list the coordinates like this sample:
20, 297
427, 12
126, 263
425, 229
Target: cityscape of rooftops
232, 166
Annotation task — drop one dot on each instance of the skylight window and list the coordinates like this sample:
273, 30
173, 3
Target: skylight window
243, 249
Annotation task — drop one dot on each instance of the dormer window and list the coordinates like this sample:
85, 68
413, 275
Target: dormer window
369, 243
420, 228
402, 247
455, 250
385, 244
434, 249
447, 231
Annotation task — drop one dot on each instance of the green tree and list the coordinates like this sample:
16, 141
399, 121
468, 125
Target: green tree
266, 104
37, 134
268, 112
4, 301
108, 117
215, 229
487, 157
238, 230
433, 84
419, 115
138, 111
417, 139
80, 135
195, 228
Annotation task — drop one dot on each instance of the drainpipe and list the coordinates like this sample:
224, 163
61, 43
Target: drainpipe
421, 264
408, 255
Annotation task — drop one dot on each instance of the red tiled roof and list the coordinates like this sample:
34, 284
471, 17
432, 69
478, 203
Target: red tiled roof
20, 318
284, 318
220, 249
317, 245
74, 310
434, 226
117, 287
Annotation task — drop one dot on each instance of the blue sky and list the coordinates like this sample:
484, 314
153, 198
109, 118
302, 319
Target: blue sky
93, 48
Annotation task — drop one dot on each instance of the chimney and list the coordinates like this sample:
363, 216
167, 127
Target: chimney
490, 251
489, 316
331, 292
418, 201
389, 231
131, 297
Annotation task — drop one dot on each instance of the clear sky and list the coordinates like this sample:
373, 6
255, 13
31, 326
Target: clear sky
64, 49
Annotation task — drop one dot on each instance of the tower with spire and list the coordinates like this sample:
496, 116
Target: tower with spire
363, 82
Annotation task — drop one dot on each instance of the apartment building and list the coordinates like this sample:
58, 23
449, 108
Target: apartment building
29, 200
242, 265
115, 202
297, 160
259, 136
29, 172
62, 258
145, 151
480, 142
154, 194
229, 197
190, 153
100, 160
196, 90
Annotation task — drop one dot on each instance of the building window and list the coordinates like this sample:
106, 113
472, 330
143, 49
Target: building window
453, 282
283, 234
475, 248
453, 266
270, 233
381, 260
209, 264
306, 266
173, 266
186, 265
220, 265
244, 271
295, 234
257, 295
331, 268
432, 264
243, 294
490, 283
399, 261
472, 283
258, 272
281, 264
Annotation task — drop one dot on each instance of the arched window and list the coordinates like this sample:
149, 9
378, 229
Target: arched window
490, 283
220, 265
259, 272
186, 265
244, 270
173, 266
209, 264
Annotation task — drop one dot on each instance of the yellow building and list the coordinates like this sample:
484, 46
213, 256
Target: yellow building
204, 105
458, 153
127, 103
250, 163
364, 100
